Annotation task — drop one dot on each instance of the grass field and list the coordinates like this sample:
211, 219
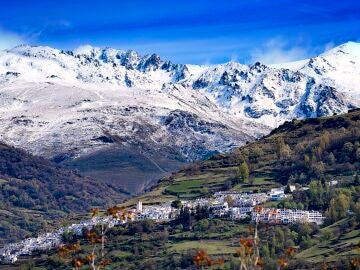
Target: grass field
261, 184
155, 196
3, 181
214, 247
194, 186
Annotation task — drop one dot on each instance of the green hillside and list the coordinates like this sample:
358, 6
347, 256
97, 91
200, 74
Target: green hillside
36, 193
296, 152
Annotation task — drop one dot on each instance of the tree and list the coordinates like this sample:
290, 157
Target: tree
237, 177
176, 204
202, 260
279, 145
324, 140
357, 154
331, 159
229, 200
307, 161
318, 151
287, 189
256, 152
244, 171
357, 210
318, 169
339, 205
204, 191
282, 149
357, 179
348, 147
202, 225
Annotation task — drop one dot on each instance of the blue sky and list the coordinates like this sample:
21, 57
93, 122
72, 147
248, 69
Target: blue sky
196, 31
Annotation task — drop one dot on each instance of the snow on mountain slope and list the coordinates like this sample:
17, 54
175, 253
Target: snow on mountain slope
66, 104
60, 103
295, 65
340, 68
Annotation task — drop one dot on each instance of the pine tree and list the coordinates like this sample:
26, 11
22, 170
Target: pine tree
331, 159
357, 179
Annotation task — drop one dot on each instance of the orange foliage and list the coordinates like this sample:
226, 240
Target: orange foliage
113, 211
260, 263
105, 262
355, 263
282, 262
94, 212
251, 229
203, 259
91, 257
290, 251
246, 247
77, 263
65, 250
93, 237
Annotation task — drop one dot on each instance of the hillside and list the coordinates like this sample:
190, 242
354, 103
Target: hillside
308, 153
69, 105
296, 152
36, 192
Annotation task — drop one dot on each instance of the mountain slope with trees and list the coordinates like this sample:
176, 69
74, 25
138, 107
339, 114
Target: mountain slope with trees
34, 191
297, 152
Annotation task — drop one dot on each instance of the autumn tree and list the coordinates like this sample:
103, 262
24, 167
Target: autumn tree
96, 258
256, 152
324, 140
202, 260
339, 205
356, 209
230, 200
282, 149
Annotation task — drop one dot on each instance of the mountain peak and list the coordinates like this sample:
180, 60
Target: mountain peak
350, 47
87, 50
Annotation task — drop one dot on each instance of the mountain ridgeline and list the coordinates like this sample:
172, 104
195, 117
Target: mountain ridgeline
69, 106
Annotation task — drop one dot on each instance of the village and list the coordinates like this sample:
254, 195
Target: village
224, 204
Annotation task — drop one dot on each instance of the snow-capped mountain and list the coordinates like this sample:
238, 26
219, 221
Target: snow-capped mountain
66, 104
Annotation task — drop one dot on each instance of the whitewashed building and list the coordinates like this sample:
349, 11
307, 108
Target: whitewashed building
287, 216
277, 194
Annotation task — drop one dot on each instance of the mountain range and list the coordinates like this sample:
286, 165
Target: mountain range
127, 119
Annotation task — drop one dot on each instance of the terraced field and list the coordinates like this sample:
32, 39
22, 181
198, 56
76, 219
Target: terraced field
339, 245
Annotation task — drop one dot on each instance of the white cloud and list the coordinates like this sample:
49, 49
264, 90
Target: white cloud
278, 50
9, 39
329, 46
